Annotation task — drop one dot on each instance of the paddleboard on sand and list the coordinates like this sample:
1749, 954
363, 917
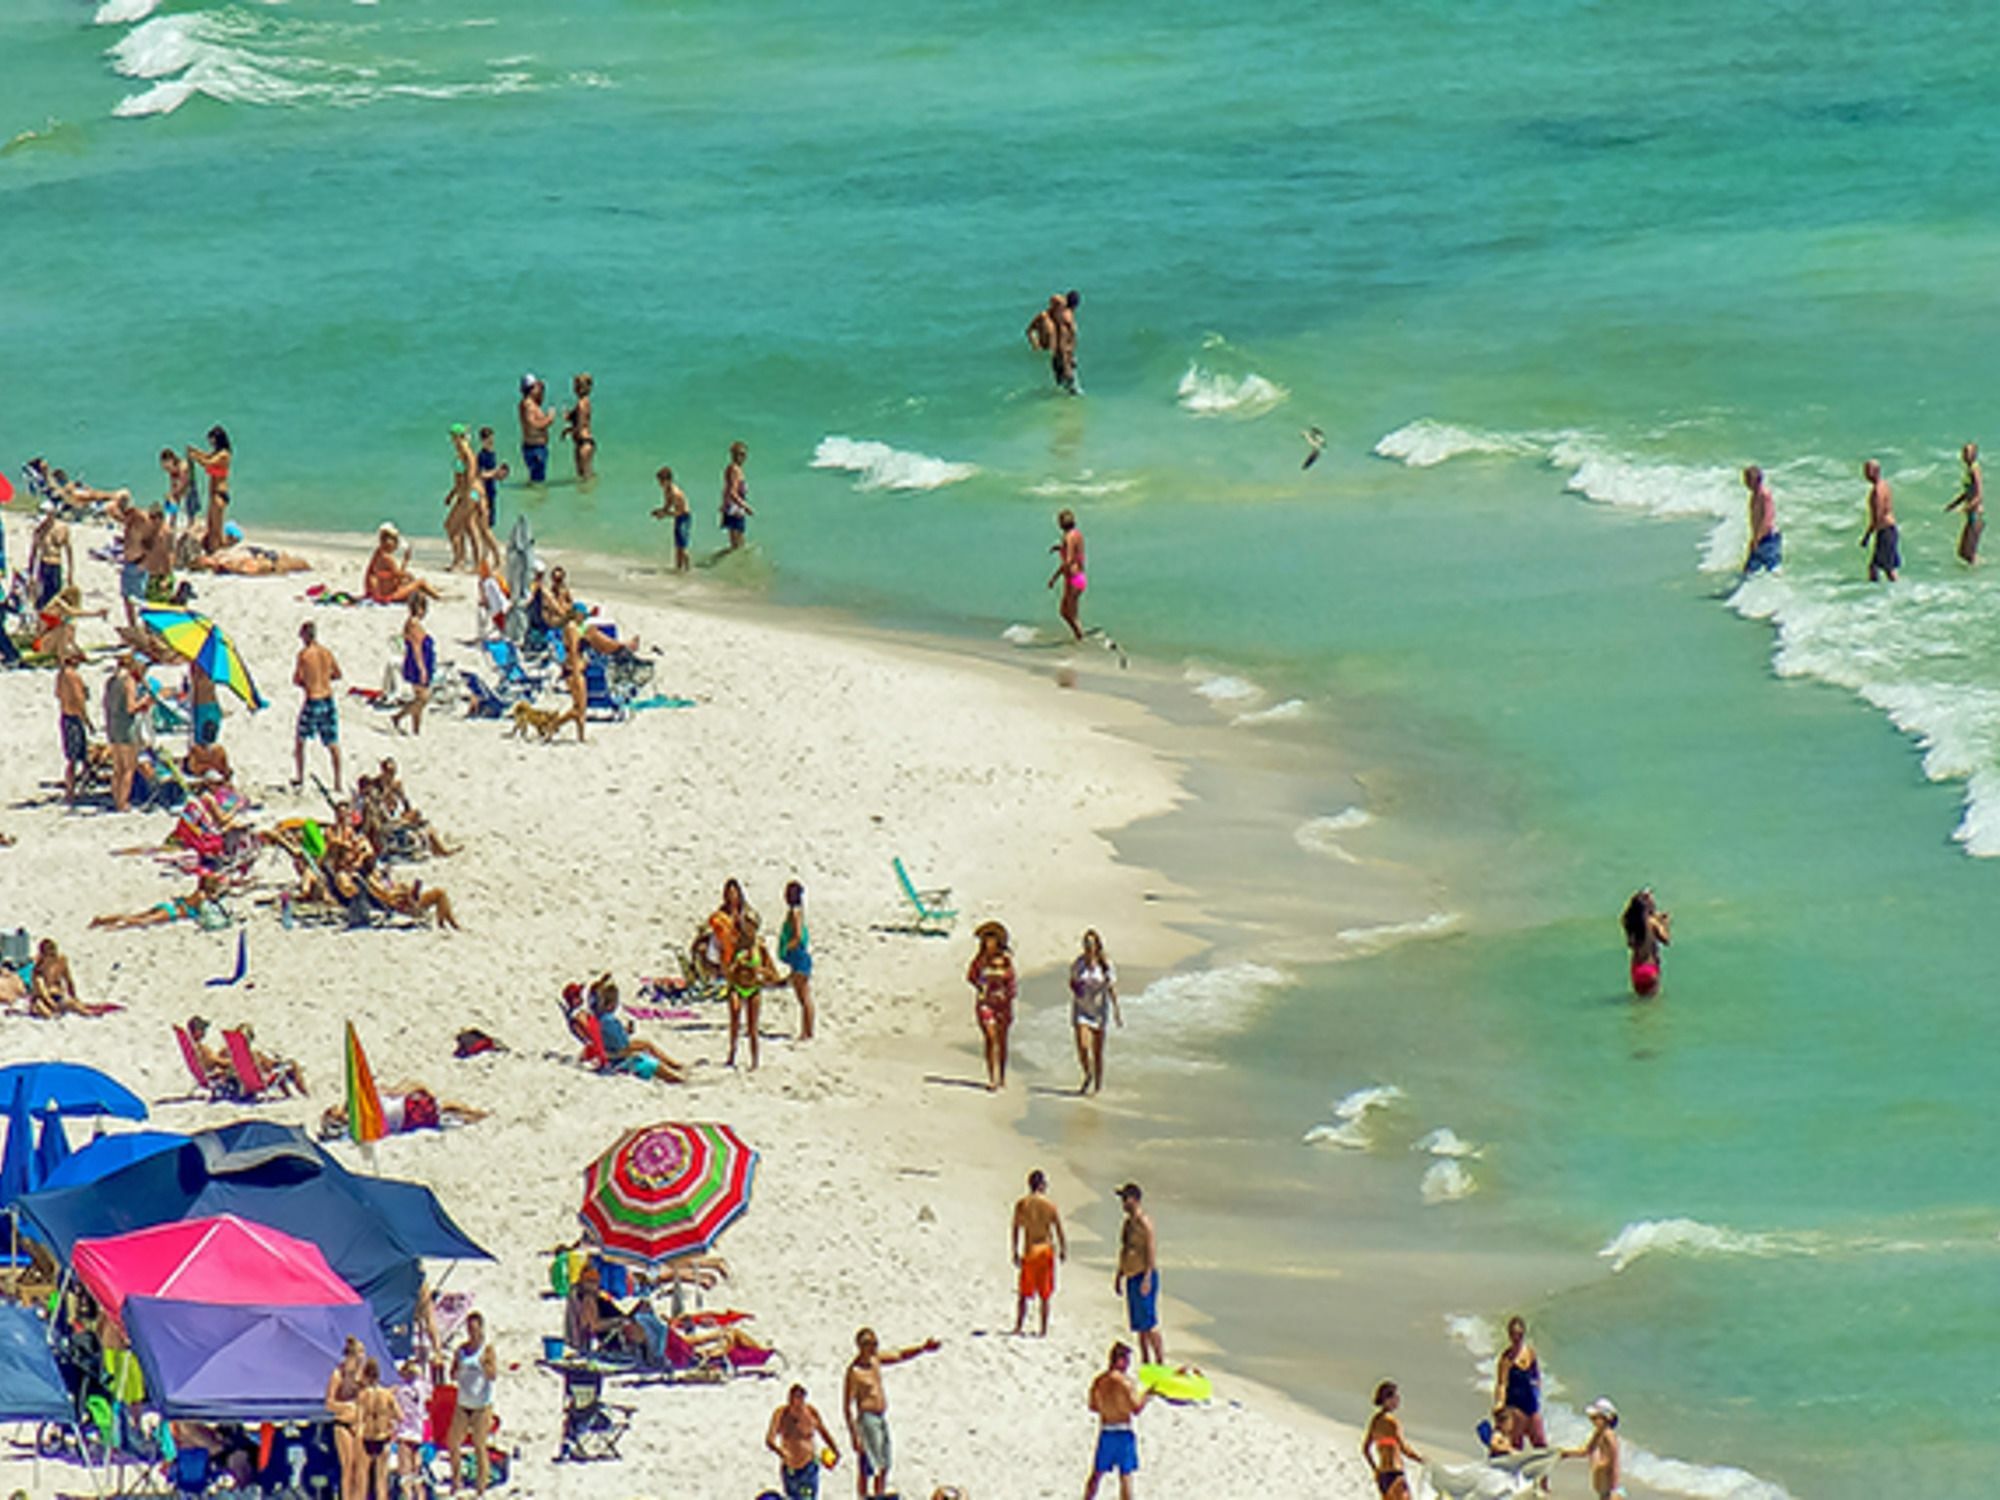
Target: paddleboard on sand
1176, 1383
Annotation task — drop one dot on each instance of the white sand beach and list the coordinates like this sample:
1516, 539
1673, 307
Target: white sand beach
887, 1174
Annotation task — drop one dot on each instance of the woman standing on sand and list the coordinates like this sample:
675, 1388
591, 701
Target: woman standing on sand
419, 666
1647, 931
343, 1399
1093, 990
795, 953
1385, 1447
725, 921
994, 986
1517, 1385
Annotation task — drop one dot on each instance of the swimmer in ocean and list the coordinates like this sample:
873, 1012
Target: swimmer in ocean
1972, 500
1063, 310
1767, 546
1887, 556
1069, 571
1647, 931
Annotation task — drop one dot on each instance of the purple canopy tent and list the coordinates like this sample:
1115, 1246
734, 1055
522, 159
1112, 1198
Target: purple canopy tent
245, 1363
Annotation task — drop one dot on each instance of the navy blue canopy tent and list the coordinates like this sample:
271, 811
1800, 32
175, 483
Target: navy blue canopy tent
371, 1231
243, 1363
108, 1153
31, 1388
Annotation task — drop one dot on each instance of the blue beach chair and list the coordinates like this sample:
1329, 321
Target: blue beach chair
932, 915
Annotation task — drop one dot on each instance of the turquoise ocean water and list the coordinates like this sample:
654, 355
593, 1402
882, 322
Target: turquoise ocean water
1546, 274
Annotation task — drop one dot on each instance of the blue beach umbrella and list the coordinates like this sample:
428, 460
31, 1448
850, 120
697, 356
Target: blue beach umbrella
110, 1153
59, 1088
51, 1148
17, 1167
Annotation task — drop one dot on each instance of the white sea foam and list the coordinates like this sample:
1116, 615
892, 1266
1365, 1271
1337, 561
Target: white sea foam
1646, 1237
1387, 934
1446, 1142
241, 58
1447, 1181
1348, 1129
1424, 444
1277, 713
1322, 835
1220, 687
1207, 394
124, 12
1210, 1000
1021, 635
877, 466
1085, 486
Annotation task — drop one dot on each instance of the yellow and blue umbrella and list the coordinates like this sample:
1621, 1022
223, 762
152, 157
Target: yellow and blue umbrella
203, 643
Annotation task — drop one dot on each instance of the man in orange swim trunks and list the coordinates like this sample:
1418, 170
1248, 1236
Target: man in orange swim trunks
1037, 1242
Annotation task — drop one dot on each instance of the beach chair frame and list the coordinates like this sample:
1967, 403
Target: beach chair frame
933, 915
243, 1063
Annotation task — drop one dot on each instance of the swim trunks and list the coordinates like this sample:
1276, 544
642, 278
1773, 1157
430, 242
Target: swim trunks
1645, 984
536, 457
1142, 1296
131, 581
207, 723
48, 583
683, 531
1767, 554
1888, 556
1038, 1272
75, 742
319, 720
1117, 1451
738, 524
801, 1483
872, 1428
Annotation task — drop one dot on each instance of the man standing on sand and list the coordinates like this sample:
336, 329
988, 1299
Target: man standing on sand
73, 721
865, 1404
1117, 1400
536, 420
736, 511
1037, 1242
315, 672
794, 1428
1139, 1275
1767, 547
674, 507
133, 534
158, 559
1887, 556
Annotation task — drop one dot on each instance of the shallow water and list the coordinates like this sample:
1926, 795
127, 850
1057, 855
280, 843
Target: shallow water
1566, 266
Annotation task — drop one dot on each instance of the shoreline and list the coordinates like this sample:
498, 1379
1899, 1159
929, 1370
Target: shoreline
1126, 781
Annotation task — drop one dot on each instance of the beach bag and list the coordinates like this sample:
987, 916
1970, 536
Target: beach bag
420, 1110
473, 1042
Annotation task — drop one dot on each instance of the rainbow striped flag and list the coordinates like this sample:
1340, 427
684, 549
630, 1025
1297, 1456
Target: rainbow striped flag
365, 1121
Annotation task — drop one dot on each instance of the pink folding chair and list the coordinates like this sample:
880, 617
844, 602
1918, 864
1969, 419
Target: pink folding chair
205, 1086
243, 1062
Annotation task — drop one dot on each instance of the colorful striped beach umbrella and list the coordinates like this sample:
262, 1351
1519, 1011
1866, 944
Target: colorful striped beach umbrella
366, 1120
203, 643
666, 1191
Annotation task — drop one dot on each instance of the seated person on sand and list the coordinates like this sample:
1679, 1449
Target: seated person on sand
75, 493
213, 1063
593, 1320
388, 580
621, 1049
209, 763
560, 612
58, 637
410, 900
52, 988
406, 1107
280, 1072
247, 561
203, 904
386, 809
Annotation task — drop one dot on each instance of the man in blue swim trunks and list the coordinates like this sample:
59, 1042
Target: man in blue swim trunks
314, 673
1139, 1275
736, 511
1117, 1399
674, 507
1767, 547
1887, 556
536, 420
491, 472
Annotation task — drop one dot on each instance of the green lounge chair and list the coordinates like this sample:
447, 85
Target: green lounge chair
932, 913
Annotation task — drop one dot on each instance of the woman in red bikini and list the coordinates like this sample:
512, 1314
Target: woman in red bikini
1385, 1447
994, 985
1647, 931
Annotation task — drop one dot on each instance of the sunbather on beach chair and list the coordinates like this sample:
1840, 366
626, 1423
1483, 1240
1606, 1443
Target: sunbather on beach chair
623, 1051
261, 1072
209, 1069
202, 905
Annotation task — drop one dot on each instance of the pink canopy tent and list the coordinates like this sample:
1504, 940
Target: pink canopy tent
217, 1260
